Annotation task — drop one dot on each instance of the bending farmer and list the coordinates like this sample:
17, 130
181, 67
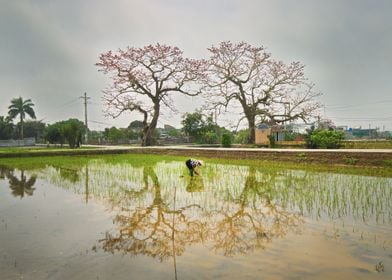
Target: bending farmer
192, 165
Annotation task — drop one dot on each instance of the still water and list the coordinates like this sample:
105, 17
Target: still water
127, 221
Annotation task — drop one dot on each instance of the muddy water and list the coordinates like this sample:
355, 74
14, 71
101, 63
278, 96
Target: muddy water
126, 221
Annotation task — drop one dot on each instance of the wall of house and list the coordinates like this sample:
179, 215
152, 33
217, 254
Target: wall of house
261, 136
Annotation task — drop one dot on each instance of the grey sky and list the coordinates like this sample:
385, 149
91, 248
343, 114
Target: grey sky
48, 49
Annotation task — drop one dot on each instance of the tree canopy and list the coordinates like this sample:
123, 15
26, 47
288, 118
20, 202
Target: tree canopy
21, 107
267, 90
201, 128
70, 130
144, 79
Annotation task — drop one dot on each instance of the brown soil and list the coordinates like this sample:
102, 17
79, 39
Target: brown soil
357, 158
337, 158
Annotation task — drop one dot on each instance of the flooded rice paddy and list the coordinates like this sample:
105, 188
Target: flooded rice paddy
126, 220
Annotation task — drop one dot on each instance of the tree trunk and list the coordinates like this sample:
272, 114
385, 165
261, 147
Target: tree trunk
252, 134
251, 126
250, 114
148, 136
149, 129
21, 127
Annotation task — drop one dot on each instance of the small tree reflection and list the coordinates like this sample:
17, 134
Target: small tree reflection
21, 186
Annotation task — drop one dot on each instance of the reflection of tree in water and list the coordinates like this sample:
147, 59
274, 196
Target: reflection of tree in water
239, 226
152, 230
20, 186
234, 208
253, 220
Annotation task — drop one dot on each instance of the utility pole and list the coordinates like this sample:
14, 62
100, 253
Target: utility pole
85, 115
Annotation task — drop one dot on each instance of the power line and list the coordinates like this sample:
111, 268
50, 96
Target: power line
364, 119
100, 122
68, 103
346, 106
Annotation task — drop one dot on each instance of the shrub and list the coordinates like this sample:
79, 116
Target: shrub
324, 139
226, 140
70, 130
272, 141
241, 137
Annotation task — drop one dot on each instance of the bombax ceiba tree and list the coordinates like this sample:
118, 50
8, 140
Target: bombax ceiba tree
145, 79
267, 90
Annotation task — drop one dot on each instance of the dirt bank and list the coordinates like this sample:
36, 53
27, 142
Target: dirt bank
375, 158
337, 157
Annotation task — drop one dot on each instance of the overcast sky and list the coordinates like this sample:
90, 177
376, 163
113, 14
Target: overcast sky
48, 49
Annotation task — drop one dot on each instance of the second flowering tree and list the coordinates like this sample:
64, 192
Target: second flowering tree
265, 89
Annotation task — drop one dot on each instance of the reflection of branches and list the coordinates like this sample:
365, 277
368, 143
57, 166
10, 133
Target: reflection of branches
21, 186
150, 230
240, 208
249, 221
251, 225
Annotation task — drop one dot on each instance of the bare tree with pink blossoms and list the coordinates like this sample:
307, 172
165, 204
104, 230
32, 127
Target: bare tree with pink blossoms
145, 79
267, 90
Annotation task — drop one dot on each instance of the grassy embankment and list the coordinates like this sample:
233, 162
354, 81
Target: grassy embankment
76, 162
38, 149
368, 144
346, 144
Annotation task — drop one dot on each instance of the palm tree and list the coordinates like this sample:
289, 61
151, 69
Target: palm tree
21, 107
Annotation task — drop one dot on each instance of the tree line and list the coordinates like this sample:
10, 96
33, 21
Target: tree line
197, 127
69, 131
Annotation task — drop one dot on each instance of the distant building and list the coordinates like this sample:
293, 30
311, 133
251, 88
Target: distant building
342, 128
300, 128
168, 127
360, 133
169, 135
263, 132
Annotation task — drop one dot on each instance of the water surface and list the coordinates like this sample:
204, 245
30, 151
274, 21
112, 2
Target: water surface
125, 220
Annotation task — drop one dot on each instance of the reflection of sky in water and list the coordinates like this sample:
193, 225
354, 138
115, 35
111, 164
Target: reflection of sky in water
160, 212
